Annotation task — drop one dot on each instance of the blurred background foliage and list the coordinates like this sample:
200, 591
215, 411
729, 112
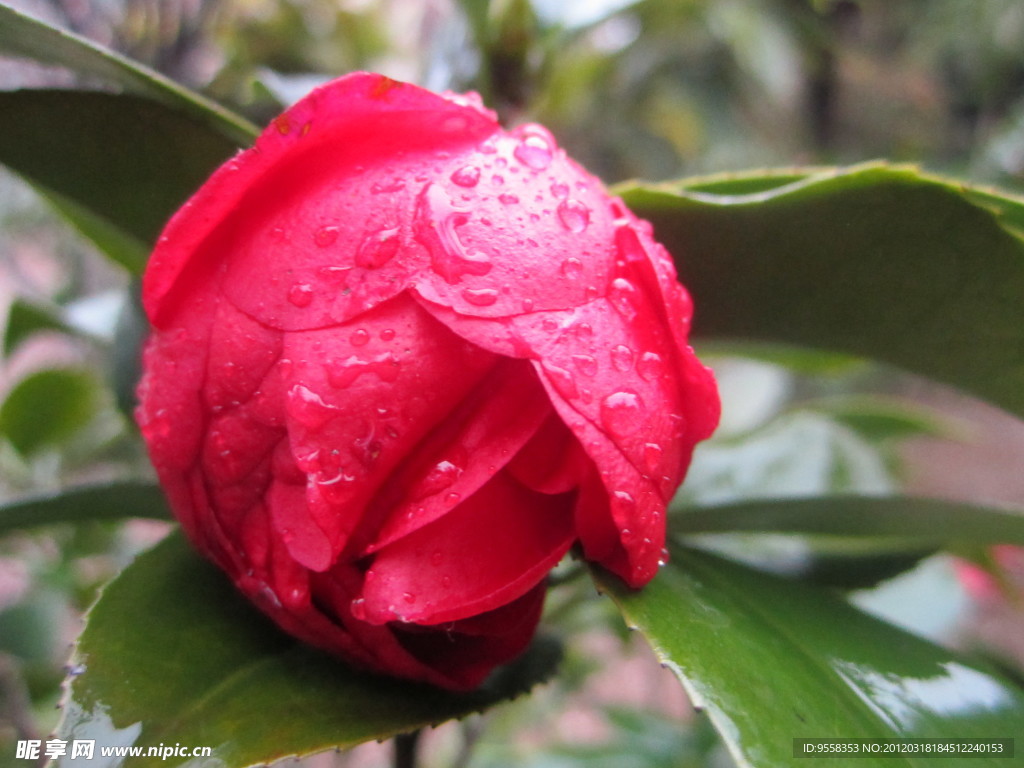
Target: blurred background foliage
653, 89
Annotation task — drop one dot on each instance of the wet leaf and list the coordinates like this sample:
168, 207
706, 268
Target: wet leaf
771, 660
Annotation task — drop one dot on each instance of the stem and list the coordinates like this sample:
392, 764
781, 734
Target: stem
405, 749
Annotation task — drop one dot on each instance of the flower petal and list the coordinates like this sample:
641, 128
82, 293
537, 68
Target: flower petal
475, 441
452, 568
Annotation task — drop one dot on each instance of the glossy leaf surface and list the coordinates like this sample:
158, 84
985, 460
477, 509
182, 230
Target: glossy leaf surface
27, 37
129, 163
876, 261
771, 660
172, 654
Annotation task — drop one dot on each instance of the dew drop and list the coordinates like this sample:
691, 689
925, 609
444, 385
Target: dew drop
563, 380
652, 456
300, 295
620, 413
378, 248
452, 499
467, 176
480, 297
534, 151
409, 597
358, 608
585, 364
560, 190
583, 331
622, 358
342, 373
572, 268
622, 295
574, 215
436, 222
507, 199
359, 337
307, 408
527, 305
325, 236
381, 188
440, 477
650, 366
387, 334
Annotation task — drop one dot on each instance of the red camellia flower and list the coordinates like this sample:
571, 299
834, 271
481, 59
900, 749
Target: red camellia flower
402, 361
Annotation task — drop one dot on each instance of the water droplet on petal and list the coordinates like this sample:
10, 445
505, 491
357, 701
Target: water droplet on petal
387, 334
650, 366
378, 248
527, 305
534, 151
623, 296
560, 190
583, 331
325, 236
358, 608
620, 413
359, 337
572, 268
409, 597
436, 222
480, 297
563, 380
507, 199
452, 499
342, 373
622, 358
585, 364
440, 477
467, 176
574, 215
307, 408
652, 456
300, 295
386, 188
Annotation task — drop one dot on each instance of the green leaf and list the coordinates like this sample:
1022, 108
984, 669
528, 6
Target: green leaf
925, 520
27, 37
771, 660
126, 167
875, 261
171, 653
107, 501
26, 318
47, 407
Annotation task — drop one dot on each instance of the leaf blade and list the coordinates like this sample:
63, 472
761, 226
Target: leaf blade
877, 261
120, 195
27, 37
718, 626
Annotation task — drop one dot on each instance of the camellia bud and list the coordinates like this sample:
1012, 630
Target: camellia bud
402, 361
